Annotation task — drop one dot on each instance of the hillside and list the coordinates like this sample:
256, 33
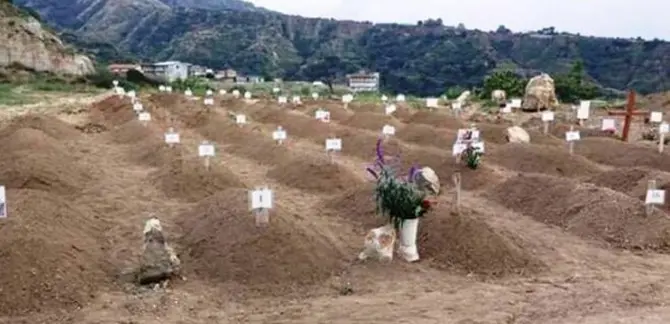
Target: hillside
423, 59
27, 44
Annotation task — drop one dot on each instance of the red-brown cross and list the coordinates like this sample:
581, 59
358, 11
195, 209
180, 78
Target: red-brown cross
628, 114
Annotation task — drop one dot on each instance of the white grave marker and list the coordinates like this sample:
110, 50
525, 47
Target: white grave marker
388, 130
132, 94
144, 117
119, 91
583, 111
282, 100
260, 203
608, 124
663, 129
516, 103
656, 117
400, 98
222, 92
3, 202
431, 102
168, 89
172, 137
188, 93
247, 95
206, 151
241, 119
315, 95
322, 115
347, 98
333, 145
653, 197
275, 90
209, 93
507, 109
385, 98
547, 117
236, 93
390, 109
208, 101
279, 135
571, 137
115, 83
296, 100
161, 88
137, 107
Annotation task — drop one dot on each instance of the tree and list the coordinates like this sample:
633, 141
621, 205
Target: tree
328, 70
514, 85
571, 86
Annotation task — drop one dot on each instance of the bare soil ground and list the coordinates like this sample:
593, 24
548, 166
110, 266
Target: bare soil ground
542, 236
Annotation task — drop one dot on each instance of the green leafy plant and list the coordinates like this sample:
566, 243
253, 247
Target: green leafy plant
397, 199
472, 156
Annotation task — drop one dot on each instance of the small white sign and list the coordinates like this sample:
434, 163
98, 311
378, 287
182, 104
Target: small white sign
222, 92
322, 115
282, 100
188, 93
115, 83
137, 107
584, 110
656, 117
260, 199
507, 109
390, 109
275, 90
334, 144
132, 94
664, 128
547, 116
458, 148
241, 119
572, 136
119, 91
161, 88
516, 103
206, 150
655, 197
279, 134
296, 99
247, 95
236, 93
385, 98
209, 101
479, 146
315, 95
467, 135
3, 202
608, 124
457, 105
347, 98
431, 102
172, 138
400, 98
144, 116
388, 130
168, 89
209, 93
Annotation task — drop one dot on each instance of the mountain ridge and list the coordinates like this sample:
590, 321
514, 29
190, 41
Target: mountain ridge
426, 58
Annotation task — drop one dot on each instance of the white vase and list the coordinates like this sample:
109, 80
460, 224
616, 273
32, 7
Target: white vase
408, 232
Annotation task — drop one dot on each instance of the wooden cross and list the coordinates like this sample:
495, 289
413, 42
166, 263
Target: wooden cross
628, 114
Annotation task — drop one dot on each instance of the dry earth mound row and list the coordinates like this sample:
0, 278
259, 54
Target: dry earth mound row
633, 181
188, 179
296, 125
466, 243
314, 174
585, 210
146, 144
616, 153
427, 136
51, 255
371, 121
337, 111
51, 126
223, 244
248, 142
112, 111
544, 159
435, 119
33, 160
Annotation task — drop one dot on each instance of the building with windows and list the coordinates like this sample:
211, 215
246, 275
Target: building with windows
120, 69
363, 81
167, 71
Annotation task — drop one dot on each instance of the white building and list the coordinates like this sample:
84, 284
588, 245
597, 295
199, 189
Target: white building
363, 81
167, 71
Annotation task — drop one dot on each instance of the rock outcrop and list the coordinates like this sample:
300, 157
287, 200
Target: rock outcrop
540, 93
25, 42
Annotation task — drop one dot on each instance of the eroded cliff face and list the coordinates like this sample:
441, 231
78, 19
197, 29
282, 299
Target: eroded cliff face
24, 41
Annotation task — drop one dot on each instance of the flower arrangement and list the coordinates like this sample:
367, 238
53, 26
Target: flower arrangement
397, 199
472, 156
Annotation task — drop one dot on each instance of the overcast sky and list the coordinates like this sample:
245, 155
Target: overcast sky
645, 18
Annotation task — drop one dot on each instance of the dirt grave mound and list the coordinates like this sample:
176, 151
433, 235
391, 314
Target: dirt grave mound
466, 243
337, 111
426, 135
314, 174
371, 121
295, 124
357, 143
29, 139
51, 126
616, 153
112, 111
357, 205
223, 244
188, 179
435, 119
38, 162
588, 211
154, 152
533, 158
633, 181
51, 255
133, 132
247, 142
